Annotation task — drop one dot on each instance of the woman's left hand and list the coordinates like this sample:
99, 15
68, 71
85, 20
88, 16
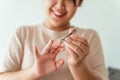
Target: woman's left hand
78, 48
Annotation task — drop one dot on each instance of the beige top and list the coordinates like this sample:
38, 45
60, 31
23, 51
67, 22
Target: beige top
20, 51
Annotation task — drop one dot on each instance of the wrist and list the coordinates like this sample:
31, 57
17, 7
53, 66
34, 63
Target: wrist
79, 64
32, 74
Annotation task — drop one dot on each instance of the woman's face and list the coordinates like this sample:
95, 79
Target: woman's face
59, 12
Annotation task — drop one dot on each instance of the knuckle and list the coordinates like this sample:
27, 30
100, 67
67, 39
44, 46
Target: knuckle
77, 49
85, 40
80, 44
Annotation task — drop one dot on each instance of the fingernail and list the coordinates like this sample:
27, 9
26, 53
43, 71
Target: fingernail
68, 39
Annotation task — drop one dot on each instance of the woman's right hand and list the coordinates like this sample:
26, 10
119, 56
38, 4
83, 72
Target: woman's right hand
45, 63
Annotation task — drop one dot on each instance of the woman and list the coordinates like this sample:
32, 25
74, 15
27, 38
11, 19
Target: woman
37, 52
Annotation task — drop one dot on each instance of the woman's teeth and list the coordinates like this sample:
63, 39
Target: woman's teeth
58, 14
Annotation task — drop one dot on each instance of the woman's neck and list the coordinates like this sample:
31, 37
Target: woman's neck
57, 28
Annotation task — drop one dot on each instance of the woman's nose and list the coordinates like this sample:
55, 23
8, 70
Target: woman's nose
60, 4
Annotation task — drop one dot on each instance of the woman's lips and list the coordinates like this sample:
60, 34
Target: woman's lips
58, 14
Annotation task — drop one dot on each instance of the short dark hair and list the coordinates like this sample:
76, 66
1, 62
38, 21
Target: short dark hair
74, 1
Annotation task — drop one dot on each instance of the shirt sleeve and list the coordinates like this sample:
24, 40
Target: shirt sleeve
96, 57
13, 58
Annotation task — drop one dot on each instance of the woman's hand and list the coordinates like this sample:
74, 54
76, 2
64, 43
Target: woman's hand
77, 47
45, 63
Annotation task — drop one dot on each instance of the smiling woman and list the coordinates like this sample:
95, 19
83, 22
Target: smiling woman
35, 52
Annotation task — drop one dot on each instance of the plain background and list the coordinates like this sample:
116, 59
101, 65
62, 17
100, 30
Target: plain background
101, 15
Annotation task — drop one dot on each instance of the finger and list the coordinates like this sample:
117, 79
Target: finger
36, 53
75, 48
55, 47
80, 39
53, 56
58, 50
79, 45
71, 52
71, 31
61, 48
59, 63
48, 47
52, 50
85, 49
59, 43
55, 50
69, 39
75, 55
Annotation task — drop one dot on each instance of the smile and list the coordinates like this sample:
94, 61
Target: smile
58, 14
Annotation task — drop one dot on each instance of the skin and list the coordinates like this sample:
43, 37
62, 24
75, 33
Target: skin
46, 63
40, 67
58, 13
58, 16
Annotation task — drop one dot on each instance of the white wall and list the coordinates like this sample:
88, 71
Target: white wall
101, 15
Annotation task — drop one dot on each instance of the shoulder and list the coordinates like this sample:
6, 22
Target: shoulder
26, 30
